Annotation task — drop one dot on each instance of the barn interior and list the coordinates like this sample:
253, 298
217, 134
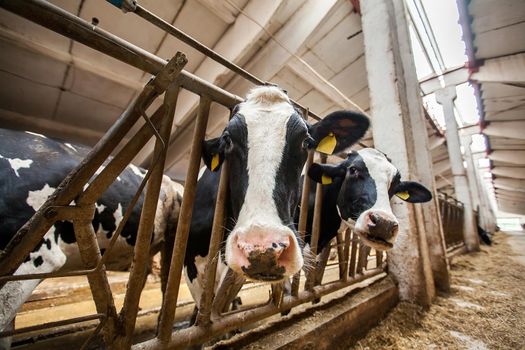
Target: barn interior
321, 53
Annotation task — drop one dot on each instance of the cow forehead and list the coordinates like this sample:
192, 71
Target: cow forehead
378, 165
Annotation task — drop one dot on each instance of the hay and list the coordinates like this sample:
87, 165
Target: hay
485, 308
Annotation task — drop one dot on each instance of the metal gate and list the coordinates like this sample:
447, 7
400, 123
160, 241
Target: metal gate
117, 327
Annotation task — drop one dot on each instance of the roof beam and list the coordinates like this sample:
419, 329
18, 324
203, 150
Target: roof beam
514, 157
510, 129
513, 172
451, 77
507, 69
509, 184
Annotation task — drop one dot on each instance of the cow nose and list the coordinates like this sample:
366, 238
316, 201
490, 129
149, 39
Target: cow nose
265, 256
381, 227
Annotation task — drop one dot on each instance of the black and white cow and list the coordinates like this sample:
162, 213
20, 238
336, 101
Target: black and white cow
266, 144
31, 167
357, 192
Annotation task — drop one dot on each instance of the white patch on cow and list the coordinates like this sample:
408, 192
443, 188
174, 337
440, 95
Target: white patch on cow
196, 286
136, 170
100, 207
118, 215
35, 199
266, 123
469, 342
70, 146
201, 172
15, 293
266, 112
17, 164
34, 133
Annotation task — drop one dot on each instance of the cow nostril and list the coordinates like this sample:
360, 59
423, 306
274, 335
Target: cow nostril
374, 218
274, 245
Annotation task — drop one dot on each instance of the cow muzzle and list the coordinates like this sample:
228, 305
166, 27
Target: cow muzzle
264, 254
377, 229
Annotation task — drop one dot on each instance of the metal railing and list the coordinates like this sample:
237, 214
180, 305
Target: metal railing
452, 217
213, 319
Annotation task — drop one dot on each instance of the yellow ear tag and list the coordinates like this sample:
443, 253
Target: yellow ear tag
326, 180
214, 162
327, 145
403, 195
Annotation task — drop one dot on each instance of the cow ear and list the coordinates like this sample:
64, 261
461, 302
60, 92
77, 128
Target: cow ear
338, 131
325, 173
214, 151
413, 192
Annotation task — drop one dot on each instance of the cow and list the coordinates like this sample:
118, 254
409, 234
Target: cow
266, 143
357, 192
31, 167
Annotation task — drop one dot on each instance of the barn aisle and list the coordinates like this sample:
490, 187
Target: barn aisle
484, 310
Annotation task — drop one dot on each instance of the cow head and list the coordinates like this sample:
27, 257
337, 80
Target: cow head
266, 143
367, 180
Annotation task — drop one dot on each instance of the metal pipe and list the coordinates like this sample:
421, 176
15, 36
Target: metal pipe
316, 228
52, 325
138, 274
217, 233
346, 252
197, 335
303, 216
353, 254
169, 304
340, 253
100, 289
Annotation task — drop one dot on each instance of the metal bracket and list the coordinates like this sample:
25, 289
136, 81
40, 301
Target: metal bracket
70, 213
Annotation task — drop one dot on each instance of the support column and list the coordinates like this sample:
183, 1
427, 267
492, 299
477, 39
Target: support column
446, 98
399, 130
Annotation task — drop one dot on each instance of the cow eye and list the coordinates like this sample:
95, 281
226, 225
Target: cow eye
308, 142
353, 171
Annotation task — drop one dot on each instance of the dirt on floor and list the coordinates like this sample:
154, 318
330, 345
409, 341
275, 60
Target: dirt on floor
485, 308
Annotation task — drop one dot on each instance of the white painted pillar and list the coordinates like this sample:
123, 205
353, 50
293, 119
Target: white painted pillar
466, 141
399, 130
446, 98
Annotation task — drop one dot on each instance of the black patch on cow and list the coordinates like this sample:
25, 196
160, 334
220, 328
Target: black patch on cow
358, 191
286, 193
38, 261
64, 230
48, 243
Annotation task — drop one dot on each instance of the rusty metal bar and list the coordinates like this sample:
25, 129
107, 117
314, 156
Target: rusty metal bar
353, 254
316, 230
303, 216
346, 252
52, 325
169, 304
379, 258
100, 289
277, 294
137, 276
217, 233
229, 288
340, 253
197, 335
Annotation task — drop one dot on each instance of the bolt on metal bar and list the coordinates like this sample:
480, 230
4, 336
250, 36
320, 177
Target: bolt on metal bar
52, 325
303, 216
197, 335
100, 289
217, 233
179, 249
137, 277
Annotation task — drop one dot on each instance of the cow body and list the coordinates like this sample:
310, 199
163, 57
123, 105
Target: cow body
266, 144
31, 167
